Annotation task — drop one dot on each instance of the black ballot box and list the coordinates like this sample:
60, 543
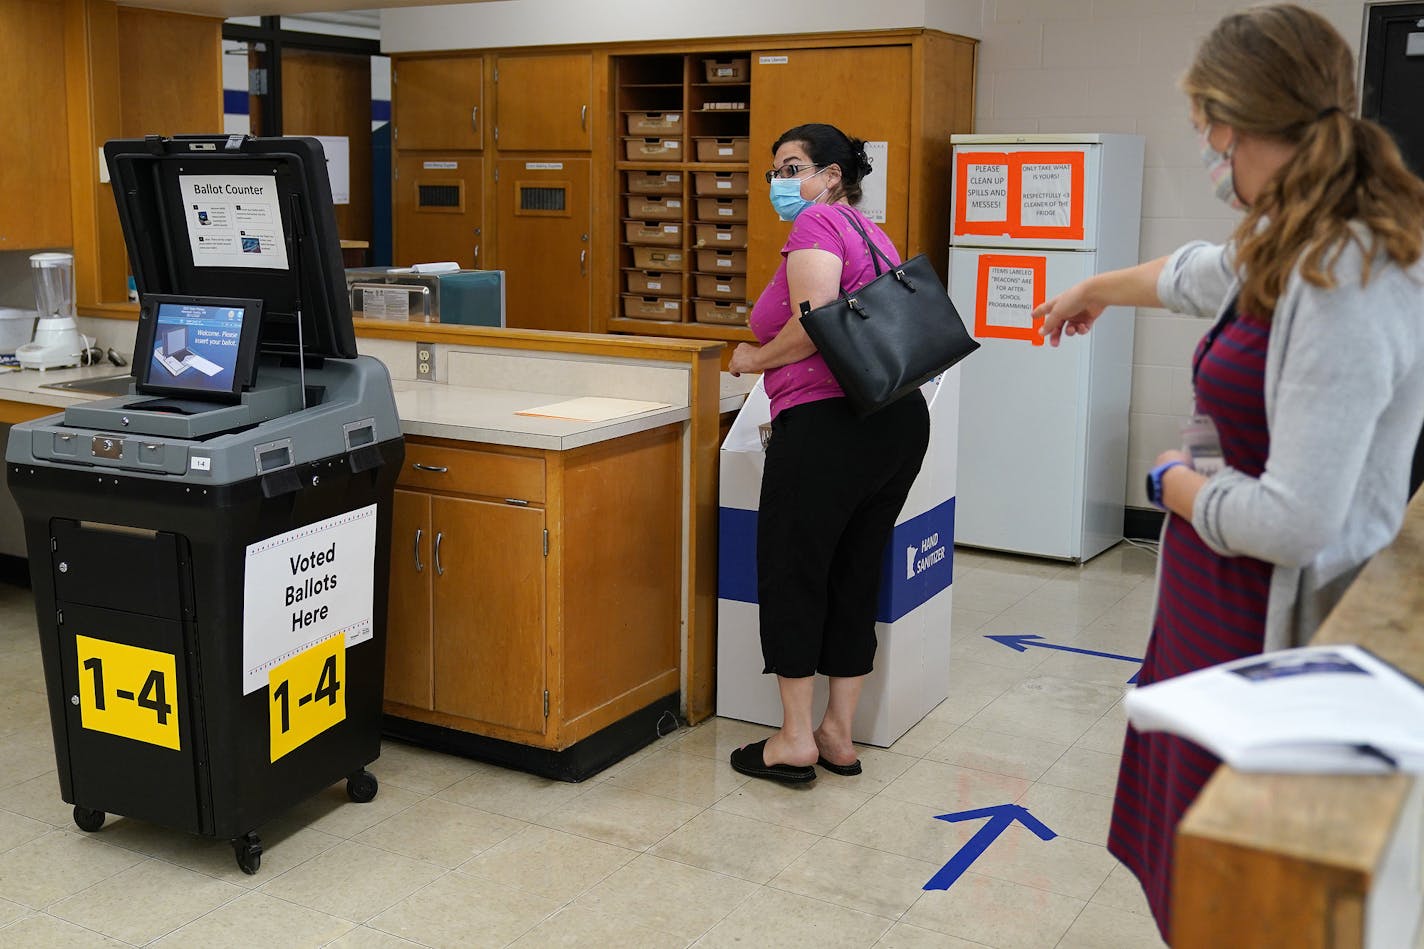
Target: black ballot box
209, 552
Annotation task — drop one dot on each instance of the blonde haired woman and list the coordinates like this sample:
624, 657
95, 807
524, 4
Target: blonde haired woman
1312, 377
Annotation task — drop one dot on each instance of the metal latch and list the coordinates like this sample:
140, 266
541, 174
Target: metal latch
107, 446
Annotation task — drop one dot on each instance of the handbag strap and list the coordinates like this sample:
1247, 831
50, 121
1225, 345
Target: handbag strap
876, 254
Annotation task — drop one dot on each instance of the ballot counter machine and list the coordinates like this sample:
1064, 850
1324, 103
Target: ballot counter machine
209, 552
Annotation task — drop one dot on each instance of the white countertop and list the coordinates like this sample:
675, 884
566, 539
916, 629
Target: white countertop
27, 385
433, 409
441, 410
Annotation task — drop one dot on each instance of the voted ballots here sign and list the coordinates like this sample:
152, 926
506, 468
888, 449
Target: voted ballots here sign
305, 586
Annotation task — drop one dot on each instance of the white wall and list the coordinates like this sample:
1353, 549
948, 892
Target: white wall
552, 22
1113, 66
1044, 66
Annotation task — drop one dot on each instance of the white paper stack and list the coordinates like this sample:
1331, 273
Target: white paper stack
1317, 709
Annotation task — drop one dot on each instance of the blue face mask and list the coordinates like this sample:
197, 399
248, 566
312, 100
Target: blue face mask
786, 196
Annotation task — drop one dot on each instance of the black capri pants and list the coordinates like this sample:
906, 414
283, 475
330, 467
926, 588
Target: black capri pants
832, 487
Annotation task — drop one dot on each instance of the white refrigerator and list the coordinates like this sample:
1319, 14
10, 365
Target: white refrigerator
1043, 431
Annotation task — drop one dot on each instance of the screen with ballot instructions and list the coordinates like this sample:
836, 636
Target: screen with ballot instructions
197, 346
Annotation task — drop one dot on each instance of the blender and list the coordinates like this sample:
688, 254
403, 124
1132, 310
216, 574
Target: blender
56, 341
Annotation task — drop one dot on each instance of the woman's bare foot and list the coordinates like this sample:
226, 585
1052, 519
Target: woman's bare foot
782, 750
837, 749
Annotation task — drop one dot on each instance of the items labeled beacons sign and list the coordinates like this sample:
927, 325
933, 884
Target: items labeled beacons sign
1043, 445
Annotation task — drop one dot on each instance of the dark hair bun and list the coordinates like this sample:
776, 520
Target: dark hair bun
859, 158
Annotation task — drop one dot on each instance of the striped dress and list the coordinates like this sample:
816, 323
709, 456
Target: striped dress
1210, 609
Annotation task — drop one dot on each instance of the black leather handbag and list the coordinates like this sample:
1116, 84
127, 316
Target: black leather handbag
892, 335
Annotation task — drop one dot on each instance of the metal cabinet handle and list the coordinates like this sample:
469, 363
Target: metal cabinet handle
583, 118
418, 565
477, 256
438, 469
439, 570
583, 263
475, 118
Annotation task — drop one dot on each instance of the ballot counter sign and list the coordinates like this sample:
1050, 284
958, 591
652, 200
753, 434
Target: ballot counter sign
305, 586
128, 691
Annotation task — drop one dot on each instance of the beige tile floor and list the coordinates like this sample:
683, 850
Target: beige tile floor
668, 848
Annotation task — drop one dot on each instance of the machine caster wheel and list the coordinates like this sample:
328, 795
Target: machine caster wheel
88, 820
361, 787
248, 850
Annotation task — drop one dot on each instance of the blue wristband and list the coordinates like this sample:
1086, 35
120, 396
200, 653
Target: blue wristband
1154, 482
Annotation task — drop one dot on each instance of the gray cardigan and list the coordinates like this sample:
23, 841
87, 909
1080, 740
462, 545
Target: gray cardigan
1344, 405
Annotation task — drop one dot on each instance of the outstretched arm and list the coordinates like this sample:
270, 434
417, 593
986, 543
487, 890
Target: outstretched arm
1074, 311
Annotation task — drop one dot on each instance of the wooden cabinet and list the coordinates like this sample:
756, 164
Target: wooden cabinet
34, 161
682, 180
438, 102
665, 228
534, 595
488, 606
905, 92
869, 110
439, 208
408, 643
543, 223
328, 93
544, 102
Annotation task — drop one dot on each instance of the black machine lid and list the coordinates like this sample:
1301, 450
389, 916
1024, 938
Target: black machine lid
234, 216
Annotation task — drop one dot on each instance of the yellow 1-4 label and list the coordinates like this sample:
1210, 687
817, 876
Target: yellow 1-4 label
128, 691
308, 694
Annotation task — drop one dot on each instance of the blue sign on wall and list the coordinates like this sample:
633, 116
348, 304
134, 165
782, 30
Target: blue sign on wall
918, 564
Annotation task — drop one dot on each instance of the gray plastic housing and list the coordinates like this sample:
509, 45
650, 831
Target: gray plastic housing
357, 408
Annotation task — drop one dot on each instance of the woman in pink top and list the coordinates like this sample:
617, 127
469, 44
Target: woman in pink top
834, 483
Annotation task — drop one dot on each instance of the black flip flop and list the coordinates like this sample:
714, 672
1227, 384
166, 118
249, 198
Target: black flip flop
751, 760
845, 769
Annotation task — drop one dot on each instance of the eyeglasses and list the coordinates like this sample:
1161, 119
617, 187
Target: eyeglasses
788, 170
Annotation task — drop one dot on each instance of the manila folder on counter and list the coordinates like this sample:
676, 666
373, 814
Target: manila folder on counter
1333, 709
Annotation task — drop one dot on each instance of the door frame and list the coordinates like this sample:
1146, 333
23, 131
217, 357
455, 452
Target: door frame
1377, 14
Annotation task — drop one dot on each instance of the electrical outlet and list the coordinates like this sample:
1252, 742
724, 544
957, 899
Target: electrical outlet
425, 361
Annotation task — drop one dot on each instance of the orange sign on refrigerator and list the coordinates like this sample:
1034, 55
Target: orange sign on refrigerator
1019, 194
1010, 286
1050, 192
982, 190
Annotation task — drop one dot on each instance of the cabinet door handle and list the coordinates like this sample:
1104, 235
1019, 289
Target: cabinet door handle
583, 118
438, 469
439, 570
418, 565
583, 263
477, 256
475, 118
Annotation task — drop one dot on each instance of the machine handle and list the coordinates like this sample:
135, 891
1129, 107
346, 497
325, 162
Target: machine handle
439, 570
475, 118
418, 565
583, 263
438, 469
583, 118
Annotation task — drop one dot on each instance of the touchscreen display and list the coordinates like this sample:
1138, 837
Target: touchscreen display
196, 347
